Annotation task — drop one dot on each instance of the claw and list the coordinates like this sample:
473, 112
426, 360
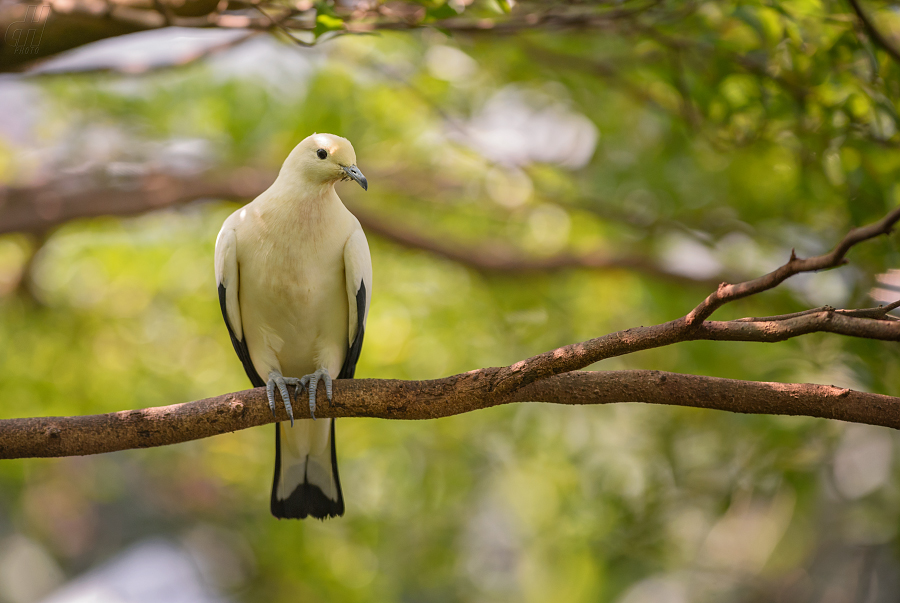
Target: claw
276, 380
311, 382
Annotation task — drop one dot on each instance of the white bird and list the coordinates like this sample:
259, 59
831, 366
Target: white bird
295, 282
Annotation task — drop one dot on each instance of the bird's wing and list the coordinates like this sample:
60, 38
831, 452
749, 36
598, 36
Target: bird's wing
358, 274
228, 279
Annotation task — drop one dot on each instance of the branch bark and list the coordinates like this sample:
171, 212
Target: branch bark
392, 399
39, 208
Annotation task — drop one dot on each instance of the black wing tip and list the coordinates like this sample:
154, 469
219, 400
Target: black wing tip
240, 346
348, 370
305, 501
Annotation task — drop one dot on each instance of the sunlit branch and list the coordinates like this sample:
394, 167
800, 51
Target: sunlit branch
392, 399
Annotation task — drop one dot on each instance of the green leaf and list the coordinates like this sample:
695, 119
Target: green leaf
439, 13
326, 23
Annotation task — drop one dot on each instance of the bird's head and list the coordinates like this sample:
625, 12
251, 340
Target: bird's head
324, 159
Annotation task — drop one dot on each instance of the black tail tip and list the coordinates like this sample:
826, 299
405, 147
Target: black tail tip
305, 501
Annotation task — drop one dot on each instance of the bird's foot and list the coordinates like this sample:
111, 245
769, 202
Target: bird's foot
311, 382
277, 381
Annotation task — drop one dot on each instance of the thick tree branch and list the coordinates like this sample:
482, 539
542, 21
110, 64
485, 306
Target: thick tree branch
392, 399
42, 207
538, 378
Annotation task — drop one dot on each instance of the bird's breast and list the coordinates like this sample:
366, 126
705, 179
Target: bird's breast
294, 300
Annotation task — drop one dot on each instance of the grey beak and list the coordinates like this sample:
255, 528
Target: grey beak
354, 174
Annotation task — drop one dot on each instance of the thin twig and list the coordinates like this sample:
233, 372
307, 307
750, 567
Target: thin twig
728, 293
279, 25
879, 313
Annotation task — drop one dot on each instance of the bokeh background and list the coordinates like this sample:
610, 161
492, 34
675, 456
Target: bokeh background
529, 188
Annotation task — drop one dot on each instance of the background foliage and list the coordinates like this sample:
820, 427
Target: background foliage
709, 138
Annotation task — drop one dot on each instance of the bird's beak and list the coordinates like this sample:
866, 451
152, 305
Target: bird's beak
354, 174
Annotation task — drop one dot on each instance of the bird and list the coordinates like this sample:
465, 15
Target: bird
294, 277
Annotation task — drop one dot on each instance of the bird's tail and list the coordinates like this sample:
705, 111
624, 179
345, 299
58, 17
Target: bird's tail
306, 474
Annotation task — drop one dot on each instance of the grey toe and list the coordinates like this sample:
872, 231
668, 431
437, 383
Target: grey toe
270, 394
311, 382
276, 380
282, 387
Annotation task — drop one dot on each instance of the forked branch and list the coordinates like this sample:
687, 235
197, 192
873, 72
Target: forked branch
553, 376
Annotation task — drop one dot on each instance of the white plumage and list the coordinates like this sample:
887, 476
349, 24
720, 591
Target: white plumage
295, 281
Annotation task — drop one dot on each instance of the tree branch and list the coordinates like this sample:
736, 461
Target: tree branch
77, 23
538, 378
503, 258
694, 326
728, 293
881, 313
393, 399
580, 355
873, 31
42, 207
143, 67
39, 208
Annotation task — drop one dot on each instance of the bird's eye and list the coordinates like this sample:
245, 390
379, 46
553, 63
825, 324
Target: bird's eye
322, 153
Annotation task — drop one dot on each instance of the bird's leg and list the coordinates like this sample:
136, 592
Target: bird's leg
311, 382
276, 380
